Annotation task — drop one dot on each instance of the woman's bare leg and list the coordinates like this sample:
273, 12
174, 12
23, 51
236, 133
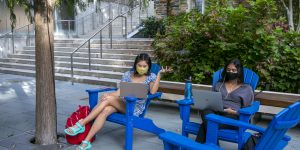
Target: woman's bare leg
99, 121
114, 101
115, 105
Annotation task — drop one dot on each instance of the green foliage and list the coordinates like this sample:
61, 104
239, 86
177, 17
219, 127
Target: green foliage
152, 26
26, 4
197, 45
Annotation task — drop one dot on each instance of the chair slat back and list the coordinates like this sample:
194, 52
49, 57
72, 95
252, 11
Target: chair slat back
250, 77
276, 130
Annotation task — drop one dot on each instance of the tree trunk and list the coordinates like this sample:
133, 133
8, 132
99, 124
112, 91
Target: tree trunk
45, 82
298, 28
290, 15
289, 11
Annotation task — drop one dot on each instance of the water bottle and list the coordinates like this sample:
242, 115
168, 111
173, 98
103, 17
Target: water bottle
188, 89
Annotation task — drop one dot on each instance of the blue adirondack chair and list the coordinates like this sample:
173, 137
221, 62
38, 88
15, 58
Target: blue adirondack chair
273, 138
128, 119
235, 136
173, 141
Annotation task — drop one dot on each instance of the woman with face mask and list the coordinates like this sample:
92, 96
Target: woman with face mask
112, 102
235, 95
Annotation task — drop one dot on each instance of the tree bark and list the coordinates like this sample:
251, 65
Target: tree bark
289, 11
298, 28
291, 17
45, 83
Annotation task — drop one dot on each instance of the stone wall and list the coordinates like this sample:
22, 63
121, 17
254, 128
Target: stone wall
165, 8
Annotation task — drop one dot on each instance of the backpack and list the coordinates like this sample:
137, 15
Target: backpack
80, 113
251, 142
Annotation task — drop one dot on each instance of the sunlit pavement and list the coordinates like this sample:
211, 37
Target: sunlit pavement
17, 113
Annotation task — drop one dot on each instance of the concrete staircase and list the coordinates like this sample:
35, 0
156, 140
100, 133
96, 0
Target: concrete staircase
106, 71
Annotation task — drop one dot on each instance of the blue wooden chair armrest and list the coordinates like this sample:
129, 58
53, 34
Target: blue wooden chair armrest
184, 142
214, 120
153, 96
101, 90
250, 110
93, 95
185, 102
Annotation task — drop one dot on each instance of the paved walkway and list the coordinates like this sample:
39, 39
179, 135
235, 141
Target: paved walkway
17, 113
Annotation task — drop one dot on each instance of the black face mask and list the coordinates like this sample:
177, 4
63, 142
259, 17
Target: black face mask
231, 76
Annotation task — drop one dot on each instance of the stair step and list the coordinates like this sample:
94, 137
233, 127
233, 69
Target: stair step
75, 59
96, 45
31, 50
66, 66
84, 55
64, 77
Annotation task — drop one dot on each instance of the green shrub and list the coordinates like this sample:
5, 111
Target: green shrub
152, 26
197, 45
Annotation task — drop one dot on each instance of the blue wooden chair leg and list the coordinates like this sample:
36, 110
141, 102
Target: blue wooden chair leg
151, 127
211, 136
168, 146
129, 133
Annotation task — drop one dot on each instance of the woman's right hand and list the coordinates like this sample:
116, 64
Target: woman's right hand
230, 111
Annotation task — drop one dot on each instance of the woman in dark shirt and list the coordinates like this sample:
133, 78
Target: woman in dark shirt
235, 95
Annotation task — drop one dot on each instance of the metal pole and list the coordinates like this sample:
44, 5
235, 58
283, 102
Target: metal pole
72, 71
28, 36
82, 25
76, 23
110, 25
131, 20
110, 33
100, 18
93, 21
101, 44
122, 24
125, 27
13, 41
69, 28
140, 12
89, 54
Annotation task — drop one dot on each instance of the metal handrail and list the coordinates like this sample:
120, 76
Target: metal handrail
12, 34
100, 31
15, 30
82, 18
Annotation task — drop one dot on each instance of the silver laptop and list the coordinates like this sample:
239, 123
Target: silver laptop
208, 100
129, 89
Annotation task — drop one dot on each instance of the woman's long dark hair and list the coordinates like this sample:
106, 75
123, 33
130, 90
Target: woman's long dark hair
240, 70
142, 57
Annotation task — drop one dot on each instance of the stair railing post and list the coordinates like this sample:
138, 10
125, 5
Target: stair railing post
101, 44
28, 37
13, 41
140, 12
131, 11
82, 26
93, 21
125, 27
110, 25
110, 33
69, 26
89, 46
72, 71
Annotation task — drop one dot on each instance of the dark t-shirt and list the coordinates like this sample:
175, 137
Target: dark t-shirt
241, 97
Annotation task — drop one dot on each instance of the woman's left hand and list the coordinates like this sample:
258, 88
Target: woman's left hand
166, 69
230, 111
